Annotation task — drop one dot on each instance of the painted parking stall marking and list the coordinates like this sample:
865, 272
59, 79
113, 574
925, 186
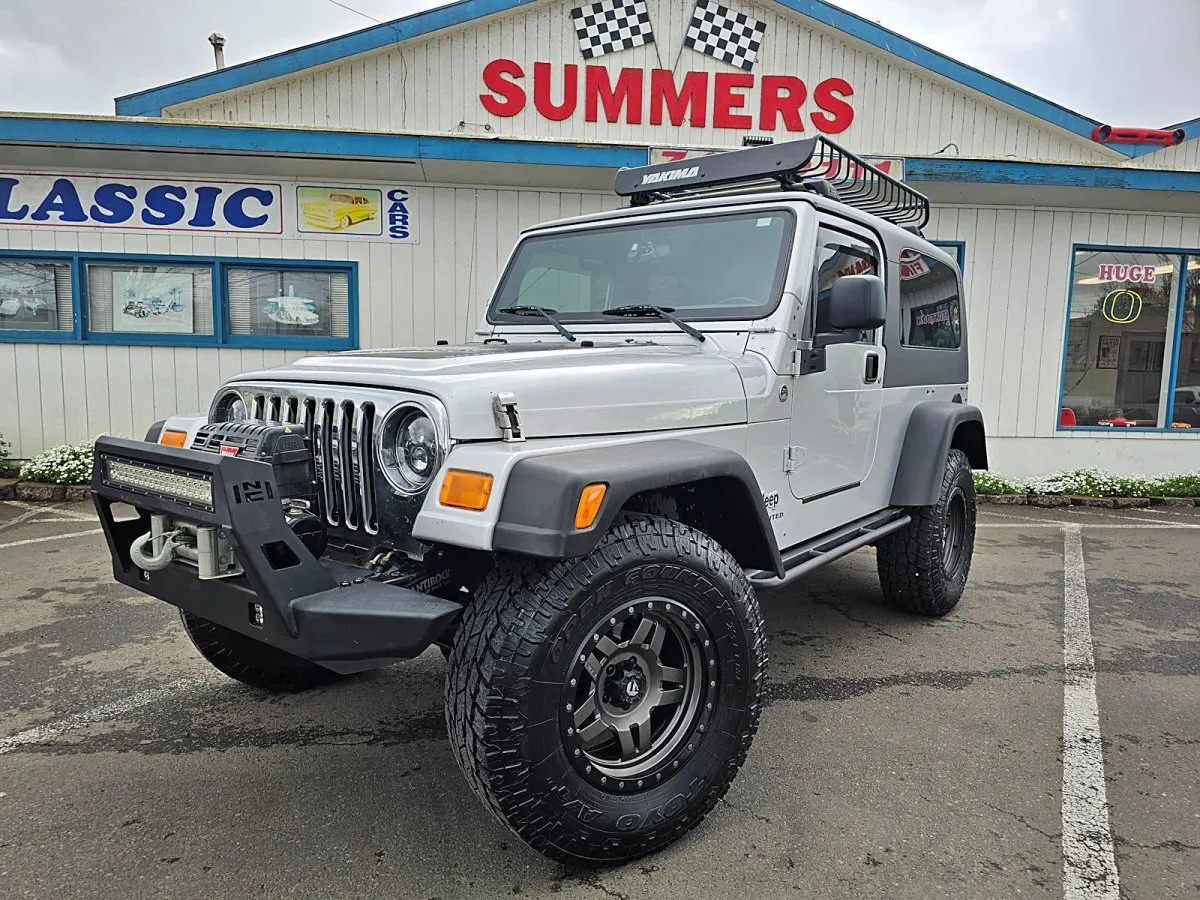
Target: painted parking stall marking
1089, 864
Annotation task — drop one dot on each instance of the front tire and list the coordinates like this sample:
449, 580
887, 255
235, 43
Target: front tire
601, 706
252, 662
923, 567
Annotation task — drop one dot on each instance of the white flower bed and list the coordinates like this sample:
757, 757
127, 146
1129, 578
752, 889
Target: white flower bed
69, 464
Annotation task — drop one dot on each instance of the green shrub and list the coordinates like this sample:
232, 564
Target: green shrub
68, 464
1175, 486
4, 458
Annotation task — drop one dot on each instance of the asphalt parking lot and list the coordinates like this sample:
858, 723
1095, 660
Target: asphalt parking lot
898, 757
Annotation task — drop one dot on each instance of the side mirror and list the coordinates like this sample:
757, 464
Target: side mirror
857, 303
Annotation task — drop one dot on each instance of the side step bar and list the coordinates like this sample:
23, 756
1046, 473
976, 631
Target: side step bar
832, 545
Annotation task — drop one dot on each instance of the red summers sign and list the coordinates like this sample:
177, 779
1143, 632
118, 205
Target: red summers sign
736, 100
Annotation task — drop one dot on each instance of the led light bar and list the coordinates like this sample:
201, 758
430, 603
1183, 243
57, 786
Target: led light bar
195, 490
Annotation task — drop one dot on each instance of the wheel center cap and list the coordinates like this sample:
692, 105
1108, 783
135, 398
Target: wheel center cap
625, 686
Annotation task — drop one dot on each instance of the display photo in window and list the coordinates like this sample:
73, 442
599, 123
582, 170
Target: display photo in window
153, 301
289, 304
29, 296
1123, 310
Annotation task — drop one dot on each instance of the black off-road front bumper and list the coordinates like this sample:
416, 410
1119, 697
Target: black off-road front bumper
318, 609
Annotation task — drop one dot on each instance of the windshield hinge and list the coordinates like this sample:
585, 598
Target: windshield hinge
792, 458
508, 419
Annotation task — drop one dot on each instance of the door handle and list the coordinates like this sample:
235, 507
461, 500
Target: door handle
871, 375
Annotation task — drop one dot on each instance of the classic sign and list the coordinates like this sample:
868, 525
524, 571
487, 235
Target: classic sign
735, 100
85, 201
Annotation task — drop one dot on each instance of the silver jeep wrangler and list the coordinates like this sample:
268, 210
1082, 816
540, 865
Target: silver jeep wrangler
757, 367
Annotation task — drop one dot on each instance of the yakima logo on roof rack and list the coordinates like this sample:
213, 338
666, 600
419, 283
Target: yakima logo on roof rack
671, 175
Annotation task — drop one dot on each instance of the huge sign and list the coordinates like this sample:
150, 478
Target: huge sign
121, 202
729, 100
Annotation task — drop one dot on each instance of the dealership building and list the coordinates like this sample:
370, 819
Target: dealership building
365, 191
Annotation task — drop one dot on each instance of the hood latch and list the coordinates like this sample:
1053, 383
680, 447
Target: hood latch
508, 419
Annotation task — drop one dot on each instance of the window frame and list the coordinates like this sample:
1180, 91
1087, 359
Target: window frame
218, 266
836, 226
47, 336
1173, 337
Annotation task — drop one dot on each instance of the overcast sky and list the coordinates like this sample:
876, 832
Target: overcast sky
1125, 62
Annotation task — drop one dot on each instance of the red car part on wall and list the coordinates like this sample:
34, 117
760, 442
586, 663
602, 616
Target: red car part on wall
1106, 134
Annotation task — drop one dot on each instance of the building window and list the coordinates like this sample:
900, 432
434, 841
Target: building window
295, 303
35, 296
930, 311
1131, 339
181, 301
149, 299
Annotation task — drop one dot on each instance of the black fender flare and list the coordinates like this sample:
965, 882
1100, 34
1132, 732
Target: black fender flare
537, 514
935, 427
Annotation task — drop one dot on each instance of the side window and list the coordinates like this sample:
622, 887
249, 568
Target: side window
837, 255
930, 311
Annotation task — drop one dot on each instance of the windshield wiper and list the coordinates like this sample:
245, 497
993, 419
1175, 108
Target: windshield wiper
662, 312
547, 314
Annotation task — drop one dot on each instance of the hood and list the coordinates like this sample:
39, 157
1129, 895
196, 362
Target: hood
561, 389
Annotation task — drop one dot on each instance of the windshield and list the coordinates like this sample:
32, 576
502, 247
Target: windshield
717, 267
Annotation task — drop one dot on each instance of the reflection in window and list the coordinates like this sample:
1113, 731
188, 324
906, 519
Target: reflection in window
930, 315
838, 256
288, 303
1119, 338
1186, 396
719, 266
35, 296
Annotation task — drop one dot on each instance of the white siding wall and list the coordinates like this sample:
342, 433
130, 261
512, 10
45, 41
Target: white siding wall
1018, 271
1182, 157
408, 294
434, 84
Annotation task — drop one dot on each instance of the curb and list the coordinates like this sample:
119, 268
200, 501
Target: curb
1059, 500
36, 492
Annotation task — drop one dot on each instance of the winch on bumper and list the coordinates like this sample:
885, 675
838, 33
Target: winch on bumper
212, 537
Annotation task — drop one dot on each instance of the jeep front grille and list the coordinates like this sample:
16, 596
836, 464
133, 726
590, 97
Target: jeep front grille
343, 442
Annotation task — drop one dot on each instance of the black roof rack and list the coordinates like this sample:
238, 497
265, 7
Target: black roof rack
814, 164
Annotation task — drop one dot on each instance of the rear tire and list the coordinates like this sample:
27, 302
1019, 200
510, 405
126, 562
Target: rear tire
600, 706
252, 662
923, 567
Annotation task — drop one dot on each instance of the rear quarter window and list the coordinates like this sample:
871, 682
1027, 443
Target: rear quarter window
930, 303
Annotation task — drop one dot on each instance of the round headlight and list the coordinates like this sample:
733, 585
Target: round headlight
411, 451
230, 408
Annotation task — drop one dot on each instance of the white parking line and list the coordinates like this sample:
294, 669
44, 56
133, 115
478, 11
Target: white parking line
52, 537
44, 733
1055, 523
55, 508
1089, 864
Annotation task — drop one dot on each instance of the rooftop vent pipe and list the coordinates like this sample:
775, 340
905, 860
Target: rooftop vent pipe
218, 44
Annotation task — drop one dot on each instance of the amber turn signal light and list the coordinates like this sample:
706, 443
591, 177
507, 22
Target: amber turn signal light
173, 439
466, 490
589, 505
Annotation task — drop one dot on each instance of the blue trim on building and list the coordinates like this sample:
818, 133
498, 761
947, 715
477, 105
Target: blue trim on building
1175, 347
970, 171
217, 265
960, 251
152, 101
126, 134
156, 135
968, 76
1180, 315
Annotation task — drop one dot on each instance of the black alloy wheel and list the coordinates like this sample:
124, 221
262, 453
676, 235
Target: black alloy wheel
639, 689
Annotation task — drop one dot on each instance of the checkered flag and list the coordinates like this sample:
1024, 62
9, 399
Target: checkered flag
610, 25
731, 37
